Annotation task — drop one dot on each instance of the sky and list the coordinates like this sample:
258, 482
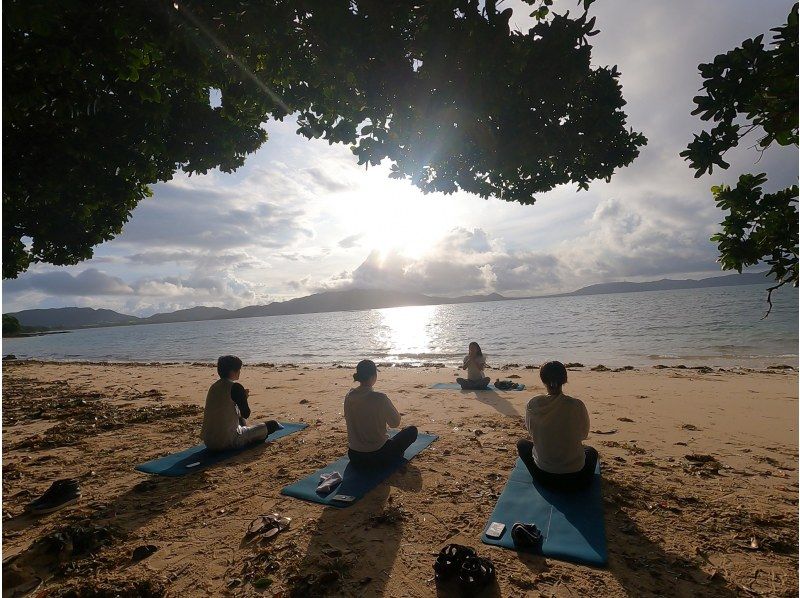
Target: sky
302, 217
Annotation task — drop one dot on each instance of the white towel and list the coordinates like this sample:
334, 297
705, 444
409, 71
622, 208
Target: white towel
328, 482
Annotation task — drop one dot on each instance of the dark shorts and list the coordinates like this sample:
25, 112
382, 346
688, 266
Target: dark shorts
391, 452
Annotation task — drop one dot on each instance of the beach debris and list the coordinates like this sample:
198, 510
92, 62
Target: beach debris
630, 447
142, 552
80, 414
266, 527
700, 458
113, 587
262, 583
690, 427
391, 515
624, 419
624, 368
58, 549
9, 357
703, 465
304, 401
614, 431
574, 364
601, 368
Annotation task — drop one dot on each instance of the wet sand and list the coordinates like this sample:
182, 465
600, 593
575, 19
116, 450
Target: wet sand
699, 482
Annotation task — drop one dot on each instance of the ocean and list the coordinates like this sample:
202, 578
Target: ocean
716, 326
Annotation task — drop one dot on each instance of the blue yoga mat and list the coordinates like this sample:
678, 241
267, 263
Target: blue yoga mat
455, 386
571, 522
199, 457
355, 482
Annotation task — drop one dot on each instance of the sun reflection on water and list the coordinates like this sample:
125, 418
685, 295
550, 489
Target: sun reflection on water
407, 333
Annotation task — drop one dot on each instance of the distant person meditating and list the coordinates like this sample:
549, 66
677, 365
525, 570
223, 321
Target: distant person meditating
474, 363
368, 413
225, 416
557, 424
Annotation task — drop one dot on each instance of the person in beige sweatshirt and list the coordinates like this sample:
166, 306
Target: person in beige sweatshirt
367, 414
226, 412
557, 424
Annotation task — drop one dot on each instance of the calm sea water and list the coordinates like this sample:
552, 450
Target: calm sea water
718, 326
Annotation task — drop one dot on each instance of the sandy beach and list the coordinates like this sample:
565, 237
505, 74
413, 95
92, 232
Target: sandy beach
722, 522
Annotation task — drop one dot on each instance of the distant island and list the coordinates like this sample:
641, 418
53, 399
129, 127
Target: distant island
332, 301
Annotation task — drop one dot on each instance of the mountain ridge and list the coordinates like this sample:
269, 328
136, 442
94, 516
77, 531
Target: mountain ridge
344, 300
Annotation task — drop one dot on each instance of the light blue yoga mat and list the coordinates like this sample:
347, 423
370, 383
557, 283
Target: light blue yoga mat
571, 522
355, 482
199, 457
456, 386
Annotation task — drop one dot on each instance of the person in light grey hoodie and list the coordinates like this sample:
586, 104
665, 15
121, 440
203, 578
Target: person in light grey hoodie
557, 424
225, 416
367, 413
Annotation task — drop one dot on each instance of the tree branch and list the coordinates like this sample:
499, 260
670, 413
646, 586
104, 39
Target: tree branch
769, 295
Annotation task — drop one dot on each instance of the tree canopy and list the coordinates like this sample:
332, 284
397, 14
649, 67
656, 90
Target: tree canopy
11, 325
103, 100
753, 87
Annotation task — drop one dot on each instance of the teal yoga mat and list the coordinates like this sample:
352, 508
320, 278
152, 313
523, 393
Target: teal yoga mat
355, 482
455, 386
572, 523
199, 457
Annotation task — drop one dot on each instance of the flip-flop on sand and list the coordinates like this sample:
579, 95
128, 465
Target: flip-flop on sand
266, 527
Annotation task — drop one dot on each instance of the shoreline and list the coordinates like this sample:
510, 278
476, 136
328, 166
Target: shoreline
700, 481
573, 366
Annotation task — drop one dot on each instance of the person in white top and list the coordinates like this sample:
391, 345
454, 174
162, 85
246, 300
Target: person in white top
367, 414
557, 424
474, 363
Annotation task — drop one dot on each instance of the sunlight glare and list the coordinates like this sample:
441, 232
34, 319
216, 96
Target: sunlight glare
409, 223
406, 331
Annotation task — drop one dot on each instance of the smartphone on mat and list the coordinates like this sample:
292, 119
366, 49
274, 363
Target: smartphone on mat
495, 530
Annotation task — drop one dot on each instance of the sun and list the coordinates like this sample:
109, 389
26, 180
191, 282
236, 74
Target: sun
408, 223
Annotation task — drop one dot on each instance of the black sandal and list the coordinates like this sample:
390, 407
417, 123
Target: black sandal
527, 536
476, 573
450, 560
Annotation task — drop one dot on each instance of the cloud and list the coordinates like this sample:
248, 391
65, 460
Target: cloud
88, 283
463, 262
351, 241
327, 181
184, 218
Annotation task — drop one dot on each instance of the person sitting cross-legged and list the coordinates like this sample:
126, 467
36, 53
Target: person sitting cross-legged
226, 412
557, 423
474, 363
367, 414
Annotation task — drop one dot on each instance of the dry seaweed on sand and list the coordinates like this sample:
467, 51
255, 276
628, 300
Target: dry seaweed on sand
77, 414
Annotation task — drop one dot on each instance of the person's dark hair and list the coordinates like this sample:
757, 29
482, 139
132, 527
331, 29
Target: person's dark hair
365, 370
478, 347
553, 374
227, 364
